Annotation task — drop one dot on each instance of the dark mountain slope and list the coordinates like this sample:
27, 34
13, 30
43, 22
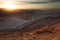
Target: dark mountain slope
40, 23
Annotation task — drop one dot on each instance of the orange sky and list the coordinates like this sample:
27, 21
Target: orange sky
22, 5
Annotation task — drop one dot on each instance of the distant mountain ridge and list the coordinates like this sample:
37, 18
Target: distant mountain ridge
23, 20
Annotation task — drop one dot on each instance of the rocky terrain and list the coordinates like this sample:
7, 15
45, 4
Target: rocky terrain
30, 25
48, 32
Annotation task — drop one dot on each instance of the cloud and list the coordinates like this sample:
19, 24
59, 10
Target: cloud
55, 0
38, 1
34, 1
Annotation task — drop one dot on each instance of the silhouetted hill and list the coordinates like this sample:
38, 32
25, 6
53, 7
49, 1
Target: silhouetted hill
40, 23
30, 24
21, 19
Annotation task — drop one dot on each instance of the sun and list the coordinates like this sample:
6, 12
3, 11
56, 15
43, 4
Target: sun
9, 5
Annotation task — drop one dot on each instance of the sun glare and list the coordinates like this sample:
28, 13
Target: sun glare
9, 5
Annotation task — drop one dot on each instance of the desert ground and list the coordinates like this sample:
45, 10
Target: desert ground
50, 32
39, 26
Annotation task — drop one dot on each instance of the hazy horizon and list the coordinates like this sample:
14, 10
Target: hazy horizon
34, 4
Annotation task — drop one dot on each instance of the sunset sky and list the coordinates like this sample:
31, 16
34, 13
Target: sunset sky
23, 4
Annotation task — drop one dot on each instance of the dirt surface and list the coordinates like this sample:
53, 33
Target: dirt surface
50, 32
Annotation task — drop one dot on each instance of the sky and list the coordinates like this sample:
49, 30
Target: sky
33, 0
35, 3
